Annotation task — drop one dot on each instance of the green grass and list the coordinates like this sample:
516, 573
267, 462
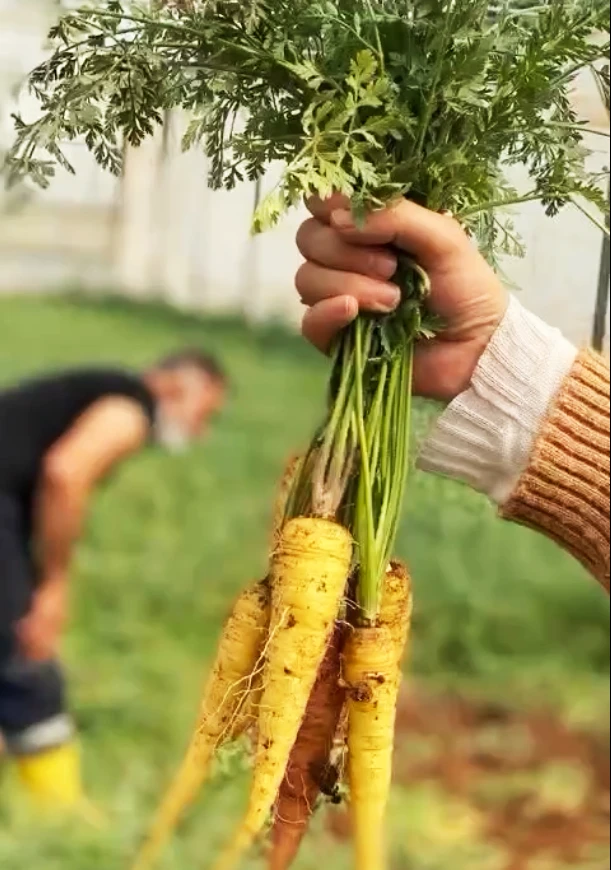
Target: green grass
500, 611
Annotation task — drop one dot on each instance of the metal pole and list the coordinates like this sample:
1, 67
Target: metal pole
599, 333
258, 189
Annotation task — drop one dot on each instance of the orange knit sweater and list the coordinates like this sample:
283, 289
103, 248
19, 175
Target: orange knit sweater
565, 491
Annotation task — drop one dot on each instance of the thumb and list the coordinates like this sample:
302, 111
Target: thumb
424, 234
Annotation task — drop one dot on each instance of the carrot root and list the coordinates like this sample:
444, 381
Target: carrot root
310, 758
309, 573
372, 672
229, 707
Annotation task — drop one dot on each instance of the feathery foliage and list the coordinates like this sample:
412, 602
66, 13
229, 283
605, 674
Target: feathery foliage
375, 98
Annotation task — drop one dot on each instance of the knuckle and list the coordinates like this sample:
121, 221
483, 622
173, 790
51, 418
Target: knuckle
455, 239
303, 280
306, 324
304, 235
309, 330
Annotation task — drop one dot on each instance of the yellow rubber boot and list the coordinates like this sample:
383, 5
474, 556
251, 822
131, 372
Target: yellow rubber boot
52, 779
53, 783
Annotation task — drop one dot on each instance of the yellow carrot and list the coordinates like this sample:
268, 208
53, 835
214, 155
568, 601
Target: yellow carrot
309, 573
371, 670
229, 707
397, 605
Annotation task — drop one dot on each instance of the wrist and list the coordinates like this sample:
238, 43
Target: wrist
53, 577
52, 591
487, 435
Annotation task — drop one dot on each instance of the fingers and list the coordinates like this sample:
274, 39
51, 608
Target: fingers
316, 284
339, 279
349, 268
327, 319
322, 209
319, 243
426, 235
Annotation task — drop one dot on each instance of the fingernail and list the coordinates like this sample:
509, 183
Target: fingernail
351, 308
386, 265
387, 300
343, 220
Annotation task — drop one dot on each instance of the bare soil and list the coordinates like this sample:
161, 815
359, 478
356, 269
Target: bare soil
495, 760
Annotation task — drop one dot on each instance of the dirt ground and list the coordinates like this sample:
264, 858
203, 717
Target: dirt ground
541, 788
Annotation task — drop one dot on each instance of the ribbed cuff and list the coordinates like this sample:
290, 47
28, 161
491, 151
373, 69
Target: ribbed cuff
487, 435
565, 490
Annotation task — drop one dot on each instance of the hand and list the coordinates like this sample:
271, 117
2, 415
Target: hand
350, 269
39, 633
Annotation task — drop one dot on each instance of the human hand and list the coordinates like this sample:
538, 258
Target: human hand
39, 632
349, 269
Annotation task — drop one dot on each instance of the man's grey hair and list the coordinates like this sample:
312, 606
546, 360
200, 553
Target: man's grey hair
196, 359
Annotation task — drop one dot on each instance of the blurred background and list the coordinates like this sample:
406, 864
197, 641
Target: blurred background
503, 732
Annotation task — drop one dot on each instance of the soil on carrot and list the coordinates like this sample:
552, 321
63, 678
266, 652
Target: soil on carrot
540, 789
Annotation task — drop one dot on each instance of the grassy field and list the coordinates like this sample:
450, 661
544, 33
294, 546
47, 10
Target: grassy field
504, 622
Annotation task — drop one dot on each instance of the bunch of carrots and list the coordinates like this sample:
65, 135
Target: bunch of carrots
314, 684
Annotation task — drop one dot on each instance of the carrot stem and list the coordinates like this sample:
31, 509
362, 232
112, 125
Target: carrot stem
360, 457
365, 519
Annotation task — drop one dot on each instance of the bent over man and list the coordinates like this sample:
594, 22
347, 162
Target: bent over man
59, 437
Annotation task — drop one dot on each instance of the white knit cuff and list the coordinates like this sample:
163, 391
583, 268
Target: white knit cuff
486, 436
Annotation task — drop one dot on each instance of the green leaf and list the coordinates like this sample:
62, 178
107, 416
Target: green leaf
363, 68
269, 212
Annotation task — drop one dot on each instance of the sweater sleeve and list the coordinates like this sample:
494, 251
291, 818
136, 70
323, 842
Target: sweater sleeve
532, 433
564, 491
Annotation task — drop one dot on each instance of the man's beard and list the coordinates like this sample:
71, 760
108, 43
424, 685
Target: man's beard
171, 435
